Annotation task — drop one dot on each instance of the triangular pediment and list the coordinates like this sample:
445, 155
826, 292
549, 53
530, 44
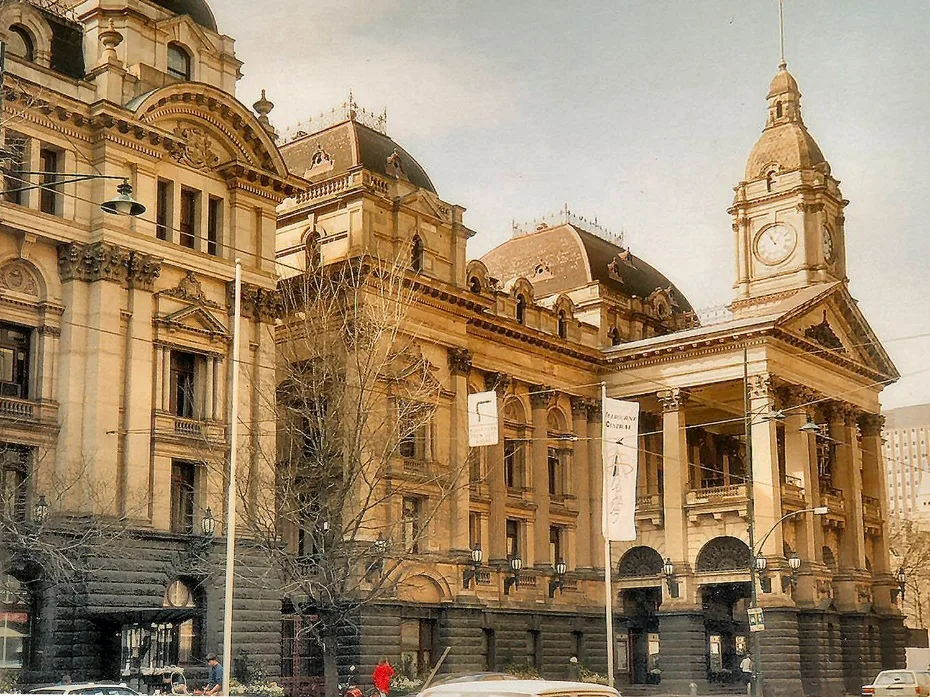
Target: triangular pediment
196, 319
832, 324
430, 204
183, 28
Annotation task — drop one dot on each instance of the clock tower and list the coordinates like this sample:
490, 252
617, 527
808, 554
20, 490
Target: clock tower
788, 210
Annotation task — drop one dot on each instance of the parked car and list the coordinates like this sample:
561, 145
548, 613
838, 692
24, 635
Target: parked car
519, 688
899, 683
471, 677
85, 688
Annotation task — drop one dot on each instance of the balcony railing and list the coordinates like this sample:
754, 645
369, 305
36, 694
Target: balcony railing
17, 408
717, 501
716, 493
203, 430
871, 507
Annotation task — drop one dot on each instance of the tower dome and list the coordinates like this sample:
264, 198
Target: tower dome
785, 144
197, 10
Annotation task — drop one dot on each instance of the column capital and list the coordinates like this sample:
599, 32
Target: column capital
790, 395
579, 405
760, 386
673, 399
843, 412
498, 382
871, 424
102, 261
541, 396
260, 304
460, 360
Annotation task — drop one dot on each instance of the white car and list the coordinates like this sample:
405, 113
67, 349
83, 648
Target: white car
85, 688
519, 688
899, 683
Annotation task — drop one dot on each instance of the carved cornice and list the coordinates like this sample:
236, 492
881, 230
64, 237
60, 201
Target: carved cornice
871, 424
460, 360
541, 396
673, 399
102, 261
258, 303
498, 382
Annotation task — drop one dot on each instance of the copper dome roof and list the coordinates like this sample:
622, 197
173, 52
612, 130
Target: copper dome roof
787, 146
197, 10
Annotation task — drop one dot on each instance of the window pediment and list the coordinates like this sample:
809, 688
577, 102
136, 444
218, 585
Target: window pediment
195, 319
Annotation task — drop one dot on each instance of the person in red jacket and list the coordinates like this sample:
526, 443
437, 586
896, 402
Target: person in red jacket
382, 676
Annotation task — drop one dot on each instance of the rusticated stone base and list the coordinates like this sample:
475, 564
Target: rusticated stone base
683, 652
862, 650
780, 654
894, 639
821, 658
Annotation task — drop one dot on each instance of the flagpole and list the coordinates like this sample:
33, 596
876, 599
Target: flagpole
608, 594
231, 489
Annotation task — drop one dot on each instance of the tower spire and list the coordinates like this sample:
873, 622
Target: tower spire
781, 32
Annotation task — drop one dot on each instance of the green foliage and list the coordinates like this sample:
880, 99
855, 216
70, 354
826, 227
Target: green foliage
523, 671
256, 689
246, 671
588, 675
8, 680
402, 685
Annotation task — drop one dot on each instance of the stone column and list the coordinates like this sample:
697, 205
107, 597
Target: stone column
875, 484
675, 471
540, 397
779, 647
596, 479
497, 523
849, 479
581, 475
766, 478
459, 367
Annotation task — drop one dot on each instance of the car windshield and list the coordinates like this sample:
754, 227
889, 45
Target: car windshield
891, 677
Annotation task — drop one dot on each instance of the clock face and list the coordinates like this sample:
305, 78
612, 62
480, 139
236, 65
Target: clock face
775, 243
828, 249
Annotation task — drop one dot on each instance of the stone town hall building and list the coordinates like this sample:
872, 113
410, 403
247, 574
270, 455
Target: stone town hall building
115, 352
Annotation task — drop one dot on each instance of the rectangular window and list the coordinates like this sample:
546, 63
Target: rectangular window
490, 648
578, 646
190, 205
14, 466
14, 361
183, 384
534, 644
413, 423
474, 530
50, 193
164, 203
474, 466
16, 165
417, 644
182, 497
554, 462
555, 544
513, 538
412, 521
214, 224
513, 464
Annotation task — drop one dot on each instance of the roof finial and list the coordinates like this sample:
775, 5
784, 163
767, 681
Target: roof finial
781, 33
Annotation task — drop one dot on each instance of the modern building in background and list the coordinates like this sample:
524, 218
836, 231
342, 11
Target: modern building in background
907, 454
115, 348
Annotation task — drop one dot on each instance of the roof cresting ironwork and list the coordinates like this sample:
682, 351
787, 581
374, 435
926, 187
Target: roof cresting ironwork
59, 8
347, 111
566, 217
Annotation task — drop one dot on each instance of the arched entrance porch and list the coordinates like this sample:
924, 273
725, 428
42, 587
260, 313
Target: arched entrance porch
638, 646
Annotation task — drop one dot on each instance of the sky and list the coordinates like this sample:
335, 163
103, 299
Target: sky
640, 113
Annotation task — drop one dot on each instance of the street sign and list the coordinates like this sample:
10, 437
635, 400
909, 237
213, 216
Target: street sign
756, 619
482, 419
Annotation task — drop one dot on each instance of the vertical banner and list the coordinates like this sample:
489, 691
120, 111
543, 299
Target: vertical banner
482, 419
621, 455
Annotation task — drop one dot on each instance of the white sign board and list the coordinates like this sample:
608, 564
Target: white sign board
621, 454
756, 619
482, 419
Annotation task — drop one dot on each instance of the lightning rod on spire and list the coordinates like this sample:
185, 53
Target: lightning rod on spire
781, 32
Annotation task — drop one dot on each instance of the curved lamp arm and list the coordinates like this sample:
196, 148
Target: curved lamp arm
818, 510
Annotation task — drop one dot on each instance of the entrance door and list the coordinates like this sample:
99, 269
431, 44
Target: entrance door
640, 607
725, 625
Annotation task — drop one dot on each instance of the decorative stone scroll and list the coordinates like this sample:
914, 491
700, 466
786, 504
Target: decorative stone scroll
760, 386
499, 382
190, 290
541, 396
673, 399
824, 335
101, 261
17, 277
460, 360
257, 303
193, 148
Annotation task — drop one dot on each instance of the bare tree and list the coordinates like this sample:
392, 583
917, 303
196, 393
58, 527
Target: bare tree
356, 482
910, 545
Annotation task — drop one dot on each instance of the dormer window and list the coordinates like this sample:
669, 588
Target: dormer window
416, 254
20, 43
474, 285
521, 309
778, 110
179, 62
769, 180
615, 338
563, 325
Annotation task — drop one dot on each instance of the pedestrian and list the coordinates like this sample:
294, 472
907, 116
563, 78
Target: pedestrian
746, 666
65, 680
574, 670
382, 676
215, 681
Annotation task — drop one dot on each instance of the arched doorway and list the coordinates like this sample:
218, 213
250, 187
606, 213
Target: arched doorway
640, 613
725, 622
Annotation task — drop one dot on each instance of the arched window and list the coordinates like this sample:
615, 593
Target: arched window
563, 325
20, 43
179, 62
778, 110
474, 284
416, 254
521, 309
16, 622
769, 181
615, 338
